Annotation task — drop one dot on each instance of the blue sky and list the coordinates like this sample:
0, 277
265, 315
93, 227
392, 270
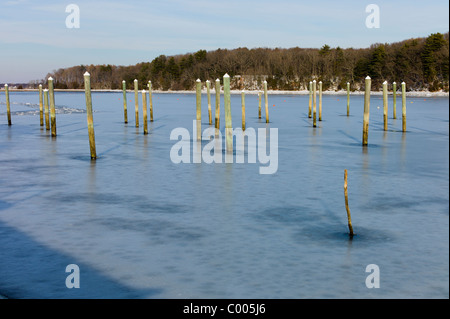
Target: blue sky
34, 39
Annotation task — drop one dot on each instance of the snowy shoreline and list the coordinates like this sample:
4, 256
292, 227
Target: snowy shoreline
272, 92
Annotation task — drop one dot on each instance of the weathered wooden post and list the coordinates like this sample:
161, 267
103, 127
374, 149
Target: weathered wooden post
385, 106
136, 103
144, 111
8, 105
243, 109
403, 106
259, 104
217, 113
314, 103
198, 96
266, 101
125, 111
320, 100
51, 96
394, 100
349, 217
348, 98
227, 105
46, 109
41, 105
208, 94
90, 120
366, 111
310, 99
150, 99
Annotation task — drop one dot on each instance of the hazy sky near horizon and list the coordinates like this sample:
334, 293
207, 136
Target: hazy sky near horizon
35, 39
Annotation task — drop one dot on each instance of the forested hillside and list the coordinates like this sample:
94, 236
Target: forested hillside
423, 63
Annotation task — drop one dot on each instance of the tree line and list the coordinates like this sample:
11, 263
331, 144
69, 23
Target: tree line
423, 63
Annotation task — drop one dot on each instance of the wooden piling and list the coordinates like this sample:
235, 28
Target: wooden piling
403, 106
314, 103
243, 109
208, 94
51, 96
125, 111
349, 217
394, 100
144, 111
90, 120
136, 103
320, 100
266, 101
217, 112
227, 106
46, 110
150, 99
259, 104
385, 106
198, 97
348, 98
41, 106
310, 99
366, 111
8, 104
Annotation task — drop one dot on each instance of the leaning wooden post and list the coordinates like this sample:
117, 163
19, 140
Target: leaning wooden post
227, 105
208, 94
348, 98
150, 99
310, 99
243, 109
394, 98
266, 101
366, 111
125, 111
385, 106
403, 106
46, 109
320, 100
314, 103
90, 120
8, 104
349, 217
51, 96
144, 111
41, 105
136, 102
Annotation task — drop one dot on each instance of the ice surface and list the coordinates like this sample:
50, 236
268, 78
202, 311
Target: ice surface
140, 226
